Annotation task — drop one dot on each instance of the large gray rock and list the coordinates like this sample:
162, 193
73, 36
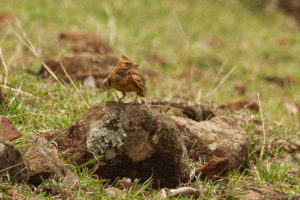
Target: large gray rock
136, 142
11, 161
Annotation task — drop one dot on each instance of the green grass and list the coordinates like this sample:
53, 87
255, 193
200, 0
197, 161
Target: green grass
238, 35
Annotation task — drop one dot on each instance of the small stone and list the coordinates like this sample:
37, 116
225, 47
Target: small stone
42, 164
89, 82
7, 130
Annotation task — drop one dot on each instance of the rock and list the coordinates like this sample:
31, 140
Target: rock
262, 193
136, 143
220, 137
42, 164
84, 42
181, 107
213, 168
42, 142
114, 193
162, 194
81, 66
241, 104
89, 82
11, 161
8, 131
184, 192
125, 183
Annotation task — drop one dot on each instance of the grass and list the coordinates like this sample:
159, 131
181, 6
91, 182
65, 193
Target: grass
255, 42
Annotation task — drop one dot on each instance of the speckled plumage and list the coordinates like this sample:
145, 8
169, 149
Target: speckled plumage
124, 78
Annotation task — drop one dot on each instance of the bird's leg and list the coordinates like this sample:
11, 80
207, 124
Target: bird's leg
120, 100
136, 99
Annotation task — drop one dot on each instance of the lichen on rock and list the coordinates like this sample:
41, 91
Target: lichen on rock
100, 138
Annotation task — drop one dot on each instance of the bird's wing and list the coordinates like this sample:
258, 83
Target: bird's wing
139, 82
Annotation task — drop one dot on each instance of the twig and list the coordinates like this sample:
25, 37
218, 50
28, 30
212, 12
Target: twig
5, 67
221, 82
19, 91
263, 126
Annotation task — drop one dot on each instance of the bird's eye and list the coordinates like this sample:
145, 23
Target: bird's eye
127, 63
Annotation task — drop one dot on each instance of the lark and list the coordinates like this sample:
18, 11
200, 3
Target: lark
124, 78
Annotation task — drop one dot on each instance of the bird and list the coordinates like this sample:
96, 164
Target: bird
125, 79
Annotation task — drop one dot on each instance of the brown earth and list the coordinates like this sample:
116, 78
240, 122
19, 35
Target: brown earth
84, 42
292, 7
241, 104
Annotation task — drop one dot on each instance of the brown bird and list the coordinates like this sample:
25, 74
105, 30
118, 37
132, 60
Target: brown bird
125, 79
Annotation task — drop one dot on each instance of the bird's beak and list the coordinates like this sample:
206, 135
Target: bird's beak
136, 65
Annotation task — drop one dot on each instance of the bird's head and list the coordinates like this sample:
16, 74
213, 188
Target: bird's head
126, 64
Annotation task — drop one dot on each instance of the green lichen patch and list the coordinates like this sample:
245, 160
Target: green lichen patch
100, 139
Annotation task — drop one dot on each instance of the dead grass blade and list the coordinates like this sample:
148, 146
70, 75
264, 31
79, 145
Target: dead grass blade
183, 36
263, 126
111, 23
19, 91
220, 71
5, 67
24, 39
12, 99
208, 94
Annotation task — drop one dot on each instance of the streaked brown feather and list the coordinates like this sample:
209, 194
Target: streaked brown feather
139, 83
